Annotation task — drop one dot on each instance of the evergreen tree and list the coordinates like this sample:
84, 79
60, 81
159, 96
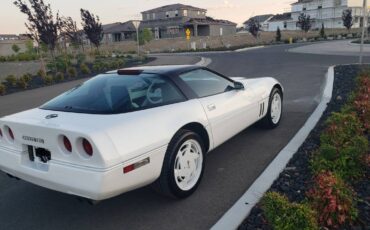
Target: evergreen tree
322, 31
347, 19
278, 35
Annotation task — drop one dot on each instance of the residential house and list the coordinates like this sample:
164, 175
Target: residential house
261, 19
327, 12
173, 21
7, 37
116, 32
282, 21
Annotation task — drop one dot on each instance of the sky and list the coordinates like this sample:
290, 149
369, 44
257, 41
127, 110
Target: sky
12, 20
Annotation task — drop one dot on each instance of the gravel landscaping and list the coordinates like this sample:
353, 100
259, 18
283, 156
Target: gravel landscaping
295, 181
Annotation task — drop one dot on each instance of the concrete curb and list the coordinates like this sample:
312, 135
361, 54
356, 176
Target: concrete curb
204, 62
249, 48
241, 209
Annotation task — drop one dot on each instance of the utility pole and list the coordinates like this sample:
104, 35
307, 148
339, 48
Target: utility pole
364, 23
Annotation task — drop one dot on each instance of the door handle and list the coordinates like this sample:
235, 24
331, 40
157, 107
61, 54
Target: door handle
211, 107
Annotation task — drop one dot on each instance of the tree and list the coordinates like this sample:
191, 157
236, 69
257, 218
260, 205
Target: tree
69, 28
254, 27
41, 22
304, 22
347, 19
15, 48
322, 31
92, 27
278, 35
145, 36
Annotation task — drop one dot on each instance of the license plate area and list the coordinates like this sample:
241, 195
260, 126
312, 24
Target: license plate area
42, 154
36, 158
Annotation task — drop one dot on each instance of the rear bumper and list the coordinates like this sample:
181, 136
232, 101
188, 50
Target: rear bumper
95, 184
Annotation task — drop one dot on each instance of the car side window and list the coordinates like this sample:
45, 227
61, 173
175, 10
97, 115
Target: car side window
205, 83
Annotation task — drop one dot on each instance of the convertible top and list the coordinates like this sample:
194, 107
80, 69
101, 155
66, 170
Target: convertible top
169, 70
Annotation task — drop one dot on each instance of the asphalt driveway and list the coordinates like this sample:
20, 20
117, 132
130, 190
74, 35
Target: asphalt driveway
230, 170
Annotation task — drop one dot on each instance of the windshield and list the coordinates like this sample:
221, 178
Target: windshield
113, 93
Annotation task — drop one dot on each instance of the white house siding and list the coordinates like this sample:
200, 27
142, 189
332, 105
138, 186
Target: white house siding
283, 25
327, 12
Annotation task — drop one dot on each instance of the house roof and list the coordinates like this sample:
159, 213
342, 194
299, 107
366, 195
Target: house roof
119, 27
281, 17
301, 1
259, 18
209, 20
173, 7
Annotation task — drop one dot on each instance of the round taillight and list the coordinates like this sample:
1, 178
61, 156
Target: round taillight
67, 144
87, 147
11, 135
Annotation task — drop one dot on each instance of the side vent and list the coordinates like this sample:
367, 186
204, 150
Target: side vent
262, 109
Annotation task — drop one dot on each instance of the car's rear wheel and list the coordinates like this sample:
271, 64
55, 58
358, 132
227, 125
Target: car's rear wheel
183, 165
275, 109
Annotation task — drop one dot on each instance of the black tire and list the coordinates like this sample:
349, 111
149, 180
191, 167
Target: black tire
267, 121
166, 184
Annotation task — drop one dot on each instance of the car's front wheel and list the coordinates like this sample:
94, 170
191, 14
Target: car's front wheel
183, 165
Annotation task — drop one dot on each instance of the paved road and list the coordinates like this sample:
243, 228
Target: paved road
344, 48
231, 168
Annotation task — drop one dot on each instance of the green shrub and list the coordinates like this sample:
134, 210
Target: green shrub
81, 58
2, 89
22, 83
41, 73
48, 80
84, 69
343, 147
15, 48
72, 72
113, 65
11, 80
120, 63
333, 200
27, 77
59, 76
283, 215
97, 68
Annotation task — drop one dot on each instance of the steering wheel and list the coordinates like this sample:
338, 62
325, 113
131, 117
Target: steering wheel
154, 95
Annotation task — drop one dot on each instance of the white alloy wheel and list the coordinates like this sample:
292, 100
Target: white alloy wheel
276, 108
188, 165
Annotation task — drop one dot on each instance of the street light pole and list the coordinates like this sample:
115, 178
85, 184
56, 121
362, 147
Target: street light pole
364, 23
137, 25
138, 42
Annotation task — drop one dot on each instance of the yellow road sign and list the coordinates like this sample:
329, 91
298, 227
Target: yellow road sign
188, 33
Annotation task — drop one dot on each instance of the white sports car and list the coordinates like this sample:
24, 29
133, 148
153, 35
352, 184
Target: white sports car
133, 127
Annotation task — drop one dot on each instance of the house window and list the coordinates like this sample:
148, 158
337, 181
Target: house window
172, 30
153, 15
185, 13
198, 12
320, 7
304, 8
285, 25
148, 17
176, 13
167, 14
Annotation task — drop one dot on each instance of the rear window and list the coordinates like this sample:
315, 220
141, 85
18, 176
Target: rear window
112, 94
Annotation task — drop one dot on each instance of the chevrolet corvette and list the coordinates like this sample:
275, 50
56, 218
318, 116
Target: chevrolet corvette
133, 127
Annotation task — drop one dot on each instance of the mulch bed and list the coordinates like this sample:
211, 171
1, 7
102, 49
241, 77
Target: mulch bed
294, 181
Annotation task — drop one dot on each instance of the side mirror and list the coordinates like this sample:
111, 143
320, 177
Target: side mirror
238, 86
